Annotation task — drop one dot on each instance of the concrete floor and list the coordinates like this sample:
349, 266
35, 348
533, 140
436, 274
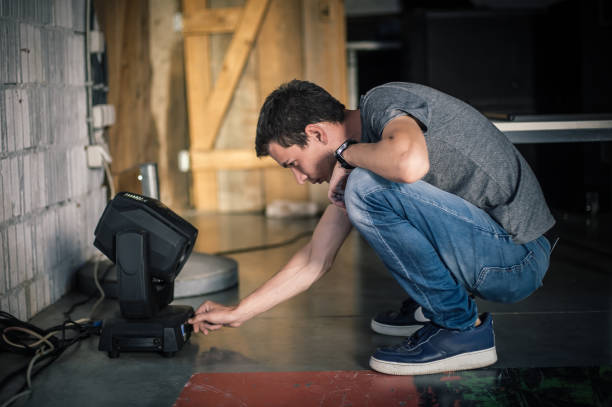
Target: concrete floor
565, 323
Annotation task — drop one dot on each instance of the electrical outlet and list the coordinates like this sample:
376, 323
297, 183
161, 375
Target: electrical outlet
103, 116
97, 156
96, 42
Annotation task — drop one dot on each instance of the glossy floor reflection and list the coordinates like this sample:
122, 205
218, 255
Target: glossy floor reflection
565, 324
483, 387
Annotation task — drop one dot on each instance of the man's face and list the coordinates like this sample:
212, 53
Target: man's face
313, 163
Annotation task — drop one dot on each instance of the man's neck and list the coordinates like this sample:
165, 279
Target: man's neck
352, 124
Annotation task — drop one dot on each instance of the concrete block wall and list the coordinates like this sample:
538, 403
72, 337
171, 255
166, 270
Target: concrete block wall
50, 201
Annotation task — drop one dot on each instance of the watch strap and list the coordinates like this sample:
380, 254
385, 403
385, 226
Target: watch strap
339, 152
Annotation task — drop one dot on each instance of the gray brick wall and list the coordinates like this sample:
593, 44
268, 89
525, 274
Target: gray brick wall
49, 200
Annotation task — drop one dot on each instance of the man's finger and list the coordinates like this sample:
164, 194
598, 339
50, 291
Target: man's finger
211, 326
205, 307
197, 318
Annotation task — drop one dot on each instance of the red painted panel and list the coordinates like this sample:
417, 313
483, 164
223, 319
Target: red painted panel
334, 388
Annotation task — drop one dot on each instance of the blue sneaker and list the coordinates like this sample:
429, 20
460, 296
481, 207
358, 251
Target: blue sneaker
433, 349
404, 322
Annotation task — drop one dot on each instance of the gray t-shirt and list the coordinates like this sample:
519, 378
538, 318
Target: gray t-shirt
468, 155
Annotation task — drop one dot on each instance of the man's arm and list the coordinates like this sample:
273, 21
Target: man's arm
400, 156
307, 266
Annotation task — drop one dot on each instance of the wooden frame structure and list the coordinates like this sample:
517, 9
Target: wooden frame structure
284, 33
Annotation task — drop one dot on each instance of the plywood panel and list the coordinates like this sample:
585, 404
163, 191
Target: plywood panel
238, 190
230, 102
279, 45
233, 65
325, 57
325, 45
294, 42
238, 129
280, 59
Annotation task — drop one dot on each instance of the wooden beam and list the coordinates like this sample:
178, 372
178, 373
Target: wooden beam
233, 64
198, 78
132, 139
197, 69
280, 59
212, 21
229, 160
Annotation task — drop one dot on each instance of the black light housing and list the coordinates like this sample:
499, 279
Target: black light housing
170, 237
150, 245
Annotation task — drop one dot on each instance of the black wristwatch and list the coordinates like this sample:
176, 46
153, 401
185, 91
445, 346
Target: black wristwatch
339, 152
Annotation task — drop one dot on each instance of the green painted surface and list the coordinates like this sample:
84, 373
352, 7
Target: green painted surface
579, 386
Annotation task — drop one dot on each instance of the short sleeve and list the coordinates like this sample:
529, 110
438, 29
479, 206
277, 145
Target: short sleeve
384, 103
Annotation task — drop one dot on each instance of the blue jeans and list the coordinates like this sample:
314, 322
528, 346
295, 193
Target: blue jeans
440, 247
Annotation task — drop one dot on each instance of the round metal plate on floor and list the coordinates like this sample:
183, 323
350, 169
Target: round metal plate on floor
205, 273
201, 274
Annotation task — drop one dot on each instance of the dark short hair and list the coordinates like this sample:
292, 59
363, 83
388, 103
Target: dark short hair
289, 109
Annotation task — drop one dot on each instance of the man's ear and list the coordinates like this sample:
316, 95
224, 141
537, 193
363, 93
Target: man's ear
317, 132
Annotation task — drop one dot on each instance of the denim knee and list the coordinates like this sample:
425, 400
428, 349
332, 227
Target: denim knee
360, 183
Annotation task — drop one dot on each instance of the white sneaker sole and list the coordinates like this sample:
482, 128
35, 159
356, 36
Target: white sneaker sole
464, 361
394, 330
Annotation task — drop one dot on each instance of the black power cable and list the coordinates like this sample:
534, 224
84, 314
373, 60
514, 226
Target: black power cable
22, 337
84, 330
265, 246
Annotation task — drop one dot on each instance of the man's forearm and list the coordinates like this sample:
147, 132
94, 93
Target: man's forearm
297, 276
306, 267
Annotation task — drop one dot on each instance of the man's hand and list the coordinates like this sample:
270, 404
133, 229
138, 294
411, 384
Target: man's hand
306, 266
211, 316
337, 183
